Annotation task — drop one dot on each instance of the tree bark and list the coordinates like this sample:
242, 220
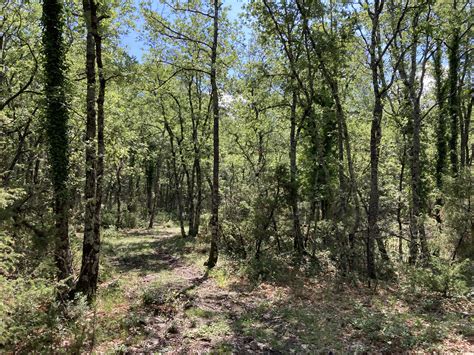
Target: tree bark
179, 198
118, 221
441, 142
373, 232
156, 191
399, 201
297, 236
214, 222
56, 130
88, 276
453, 95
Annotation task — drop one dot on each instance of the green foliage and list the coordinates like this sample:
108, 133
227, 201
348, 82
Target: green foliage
458, 214
56, 107
108, 219
391, 329
129, 220
31, 318
441, 277
310, 51
268, 268
160, 293
218, 328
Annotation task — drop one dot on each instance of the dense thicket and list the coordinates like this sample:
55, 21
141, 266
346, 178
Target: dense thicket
302, 128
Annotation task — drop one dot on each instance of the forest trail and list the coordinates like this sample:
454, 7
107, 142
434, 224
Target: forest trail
187, 310
160, 298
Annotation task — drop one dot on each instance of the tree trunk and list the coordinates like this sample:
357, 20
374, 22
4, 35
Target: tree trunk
197, 210
465, 110
441, 143
453, 97
399, 202
344, 145
87, 282
56, 130
214, 222
118, 221
191, 202
373, 232
416, 218
179, 199
150, 183
156, 191
195, 195
100, 158
410, 80
297, 236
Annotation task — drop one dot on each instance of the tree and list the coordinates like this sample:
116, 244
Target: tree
56, 111
95, 151
282, 22
453, 94
214, 223
418, 55
441, 129
377, 49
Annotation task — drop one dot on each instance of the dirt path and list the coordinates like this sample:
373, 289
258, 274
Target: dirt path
169, 303
195, 314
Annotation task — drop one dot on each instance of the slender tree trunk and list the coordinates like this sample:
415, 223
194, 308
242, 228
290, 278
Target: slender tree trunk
156, 192
465, 111
195, 195
179, 199
344, 145
191, 202
214, 223
353, 191
87, 282
441, 143
118, 221
379, 87
399, 200
453, 96
197, 215
95, 254
297, 236
467, 128
150, 184
416, 219
374, 233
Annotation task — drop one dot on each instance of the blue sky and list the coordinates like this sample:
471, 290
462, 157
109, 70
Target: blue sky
135, 47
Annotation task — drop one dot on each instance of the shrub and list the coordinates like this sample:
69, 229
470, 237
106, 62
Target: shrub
129, 220
108, 219
31, 320
441, 277
391, 329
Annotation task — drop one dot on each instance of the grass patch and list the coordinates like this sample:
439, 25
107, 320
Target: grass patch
212, 329
196, 312
221, 276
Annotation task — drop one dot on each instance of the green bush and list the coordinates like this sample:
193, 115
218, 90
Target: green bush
31, 320
156, 295
391, 329
441, 277
108, 219
267, 268
129, 220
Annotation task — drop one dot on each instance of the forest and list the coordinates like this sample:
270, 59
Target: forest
236, 176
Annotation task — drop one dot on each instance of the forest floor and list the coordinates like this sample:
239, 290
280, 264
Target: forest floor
156, 296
